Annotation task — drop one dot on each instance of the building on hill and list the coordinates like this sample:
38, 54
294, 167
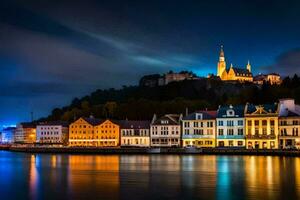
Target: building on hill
7, 136
261, 125
159, 80
289, 124
152, 80
230, 126
25, 133
271, 78
135, 133
233, 73
165, 131
198, 129
52, 133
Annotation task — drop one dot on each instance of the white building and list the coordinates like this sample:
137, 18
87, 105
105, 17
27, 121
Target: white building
289, 124
165, 131
230, 126
199, 129
135, 133
52, 133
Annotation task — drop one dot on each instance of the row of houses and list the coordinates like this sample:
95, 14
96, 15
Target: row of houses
268, 126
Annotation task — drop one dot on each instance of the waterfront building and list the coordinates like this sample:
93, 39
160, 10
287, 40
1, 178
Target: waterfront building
25, 133
198, 129
107, 134
135, 133
165, 131
261, 125
233, 73
52, 133
81, 132
271, 78
7, 136
289, 124
230, 126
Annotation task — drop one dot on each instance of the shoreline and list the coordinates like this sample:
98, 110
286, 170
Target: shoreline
152, 151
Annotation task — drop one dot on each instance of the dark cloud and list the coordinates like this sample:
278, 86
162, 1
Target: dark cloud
52, 51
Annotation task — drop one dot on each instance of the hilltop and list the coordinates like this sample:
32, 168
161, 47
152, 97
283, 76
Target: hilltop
138, 102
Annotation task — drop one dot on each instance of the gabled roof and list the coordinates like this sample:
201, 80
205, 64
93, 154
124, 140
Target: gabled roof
241, 72
205, 115
238, 111
173, 119
261, 109
131, 124
289, 113
93, 121
54, 123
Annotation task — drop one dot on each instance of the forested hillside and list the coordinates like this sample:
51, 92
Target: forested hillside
136, 102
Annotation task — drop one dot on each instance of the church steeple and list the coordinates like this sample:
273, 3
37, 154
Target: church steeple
221, 64
222, 55
248, 66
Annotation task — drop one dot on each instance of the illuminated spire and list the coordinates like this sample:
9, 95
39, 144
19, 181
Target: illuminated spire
231, 66
222, 55
248, 66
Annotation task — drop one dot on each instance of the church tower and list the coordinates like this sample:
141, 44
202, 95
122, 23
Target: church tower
221, 63
249, 66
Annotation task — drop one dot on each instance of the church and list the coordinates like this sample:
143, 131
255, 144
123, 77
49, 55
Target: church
233, 73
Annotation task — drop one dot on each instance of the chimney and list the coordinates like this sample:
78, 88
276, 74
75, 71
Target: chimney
186, 111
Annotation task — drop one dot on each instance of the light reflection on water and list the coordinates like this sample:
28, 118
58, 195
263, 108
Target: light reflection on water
45, 176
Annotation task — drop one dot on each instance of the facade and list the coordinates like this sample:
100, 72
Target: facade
52, 133
175, 77
94, 132
271, 78
165, 131
289, 124
107, 134
261, 126
81, 132
233, 73
230, 126
135, 133
25, 133
198, 129
8, 135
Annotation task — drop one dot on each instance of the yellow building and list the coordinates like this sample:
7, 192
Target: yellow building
233, 73
94, 132
81, 132
107, 134
199, 129
25, 133
261, 125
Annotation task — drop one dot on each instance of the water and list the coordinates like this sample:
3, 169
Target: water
46, 176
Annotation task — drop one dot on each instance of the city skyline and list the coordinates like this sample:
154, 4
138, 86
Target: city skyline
52, 52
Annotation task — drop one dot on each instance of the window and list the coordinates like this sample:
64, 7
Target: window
240, 131
186, 124
264, 122
230, 123
229, 131
240, 123
272, 122
256, 123
240, 143
195, 124
249, 123
186, 131
221, 131
230, 143
220, 123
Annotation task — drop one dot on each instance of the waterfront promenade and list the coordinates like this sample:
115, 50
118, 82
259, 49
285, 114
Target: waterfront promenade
203, 151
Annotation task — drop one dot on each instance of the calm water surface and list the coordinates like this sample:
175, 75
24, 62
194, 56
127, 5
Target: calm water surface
46, 176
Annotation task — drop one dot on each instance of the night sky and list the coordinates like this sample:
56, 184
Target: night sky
52, 51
